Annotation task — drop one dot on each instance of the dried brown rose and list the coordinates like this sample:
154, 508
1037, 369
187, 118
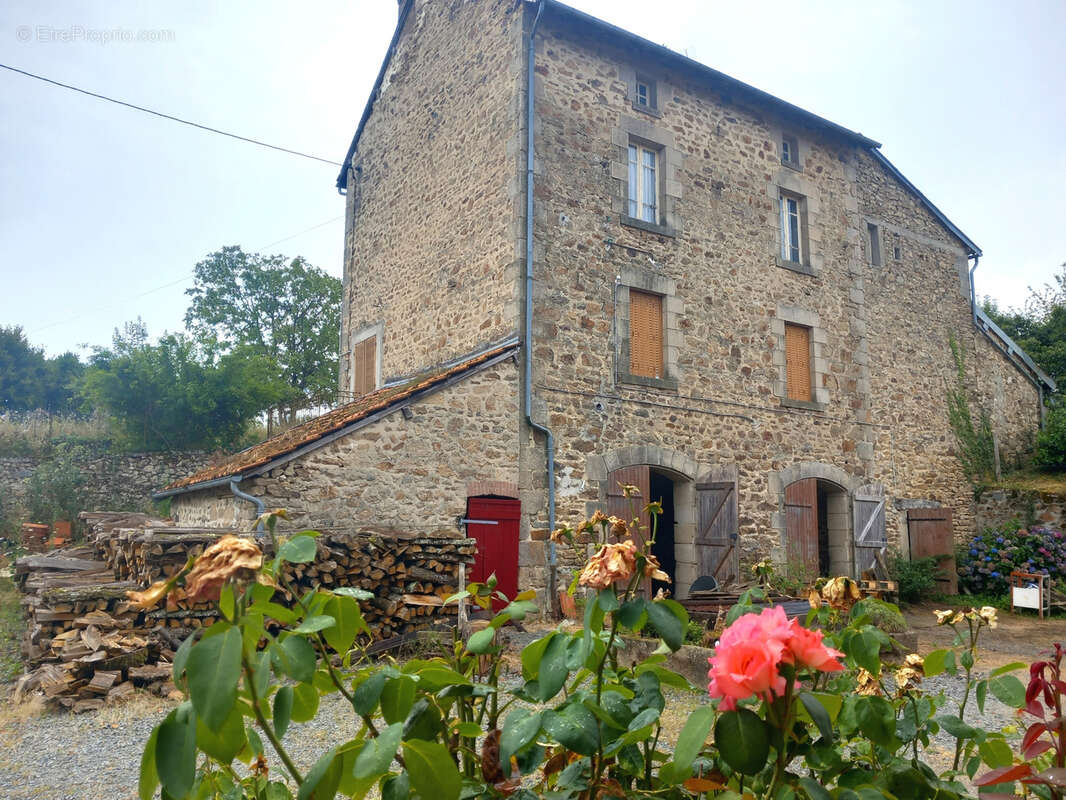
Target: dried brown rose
612, 562
652, 569
618, 527
229, 557
867, 684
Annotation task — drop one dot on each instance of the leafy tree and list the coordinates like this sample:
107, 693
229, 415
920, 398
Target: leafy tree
176, 395
22, 371
1040, 327
286, 310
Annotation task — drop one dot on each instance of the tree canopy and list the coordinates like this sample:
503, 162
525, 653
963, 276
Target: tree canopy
176, 394
29, 380
286, 310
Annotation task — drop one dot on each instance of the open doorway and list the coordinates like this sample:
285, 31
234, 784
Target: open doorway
662, 489
818, 528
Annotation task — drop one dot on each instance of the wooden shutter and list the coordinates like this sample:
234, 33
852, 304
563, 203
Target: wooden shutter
801, 523
364, 366
716, 531
868, 507
645, 334
798, 361
929, 533
624, 507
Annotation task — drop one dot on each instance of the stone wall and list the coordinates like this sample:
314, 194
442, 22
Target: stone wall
412, 474
881, 334
114, 481
430, 259
997, 508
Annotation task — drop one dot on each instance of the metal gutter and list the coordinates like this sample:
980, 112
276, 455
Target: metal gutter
686, 63
342, 179
1010, 348
527, 343
974, 250
260, 506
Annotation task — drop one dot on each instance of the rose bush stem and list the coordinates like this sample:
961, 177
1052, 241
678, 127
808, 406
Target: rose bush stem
267, 728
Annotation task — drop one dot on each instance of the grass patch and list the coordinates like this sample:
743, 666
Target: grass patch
1031, 481
12, 626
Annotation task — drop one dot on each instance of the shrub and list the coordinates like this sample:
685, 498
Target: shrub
986, 562
1050, 454
916, 577
882, 615
56, 489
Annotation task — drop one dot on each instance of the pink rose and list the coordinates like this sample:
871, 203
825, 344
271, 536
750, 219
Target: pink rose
807, 650
745, 669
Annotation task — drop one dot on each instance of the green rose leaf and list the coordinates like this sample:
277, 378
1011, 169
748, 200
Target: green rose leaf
877, 719
352, 592
819, 714
1008, 690
298, 550
350, 622
743, 740
935, 663
148, 779
315, 624
297, 658
574, 727
431, 769
224, 744
996, 753
283, 702
175, 751
693, 736
668, 622
377, 755
865, 649
304, 702
322, 780
213, 671
480, 641
607, 599
631, 613
520, 728
366, 695
397, 697
553, 670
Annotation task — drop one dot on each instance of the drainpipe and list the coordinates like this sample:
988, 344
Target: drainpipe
260, 506
973, 292
527, 348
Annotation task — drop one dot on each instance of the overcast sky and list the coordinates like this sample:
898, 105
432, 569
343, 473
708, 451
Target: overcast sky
104, 211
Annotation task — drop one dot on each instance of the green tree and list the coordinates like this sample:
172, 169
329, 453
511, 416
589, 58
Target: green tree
286, 310
1040, 328
177, 395
22, 371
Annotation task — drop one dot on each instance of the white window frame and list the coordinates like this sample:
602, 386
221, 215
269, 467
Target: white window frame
639, 191
791, 237
643, 98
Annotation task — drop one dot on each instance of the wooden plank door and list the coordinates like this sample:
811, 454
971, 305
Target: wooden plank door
868, 508
626, 508
801, 523
497, 544
929, 533
716, 531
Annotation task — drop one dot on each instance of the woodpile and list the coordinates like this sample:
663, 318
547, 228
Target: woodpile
86, 646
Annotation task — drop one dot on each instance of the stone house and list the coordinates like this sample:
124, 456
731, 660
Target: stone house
738, 306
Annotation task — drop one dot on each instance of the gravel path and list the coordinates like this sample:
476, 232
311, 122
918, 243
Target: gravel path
96, 756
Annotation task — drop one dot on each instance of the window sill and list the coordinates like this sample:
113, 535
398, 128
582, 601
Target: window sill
795, 266
650, 227
669, 384
809, 405
651, 112
792, 166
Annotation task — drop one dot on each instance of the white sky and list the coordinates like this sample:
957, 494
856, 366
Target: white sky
101, 206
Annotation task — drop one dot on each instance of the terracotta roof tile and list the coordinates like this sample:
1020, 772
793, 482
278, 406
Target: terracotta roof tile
332, 421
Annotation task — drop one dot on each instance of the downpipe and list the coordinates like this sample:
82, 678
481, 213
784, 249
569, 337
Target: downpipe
527, 348
260, 506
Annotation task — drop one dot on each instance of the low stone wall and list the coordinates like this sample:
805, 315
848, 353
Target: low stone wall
112, 480
998, 507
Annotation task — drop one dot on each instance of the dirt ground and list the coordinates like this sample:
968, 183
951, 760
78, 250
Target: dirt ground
1021, 636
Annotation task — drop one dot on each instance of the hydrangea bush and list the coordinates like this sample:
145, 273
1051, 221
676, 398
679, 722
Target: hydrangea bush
986, 562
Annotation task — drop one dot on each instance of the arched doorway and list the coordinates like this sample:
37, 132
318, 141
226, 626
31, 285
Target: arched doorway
818, 528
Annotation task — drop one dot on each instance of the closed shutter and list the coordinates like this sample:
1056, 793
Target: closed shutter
716, 531
801, 524
645, 334
869, 509
929, 533
798, 362
364, 366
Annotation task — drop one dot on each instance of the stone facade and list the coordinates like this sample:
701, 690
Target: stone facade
412, 471
435, 262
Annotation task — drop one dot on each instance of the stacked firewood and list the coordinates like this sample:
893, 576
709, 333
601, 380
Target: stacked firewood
90, 647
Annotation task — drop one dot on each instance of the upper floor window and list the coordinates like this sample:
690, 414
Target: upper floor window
790, 151
645, 334
644, 183
644, 94
365, 366
875, 243
793, 223
798, 363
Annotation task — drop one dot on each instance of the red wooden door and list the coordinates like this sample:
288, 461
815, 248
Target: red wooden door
929, 533
497, 541
801, 523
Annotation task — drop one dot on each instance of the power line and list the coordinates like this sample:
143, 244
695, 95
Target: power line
182, 279
168, 116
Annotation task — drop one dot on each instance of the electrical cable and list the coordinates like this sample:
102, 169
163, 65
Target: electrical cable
168, 116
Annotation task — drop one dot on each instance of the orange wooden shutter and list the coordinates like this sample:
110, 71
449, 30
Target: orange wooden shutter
364, 366
645, 334
798, 361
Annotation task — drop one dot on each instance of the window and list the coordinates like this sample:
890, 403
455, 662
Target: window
645, 334
896, 253
644, 94
875, 244
798, 362
789, 151
792, 224
365, 366
644, 183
